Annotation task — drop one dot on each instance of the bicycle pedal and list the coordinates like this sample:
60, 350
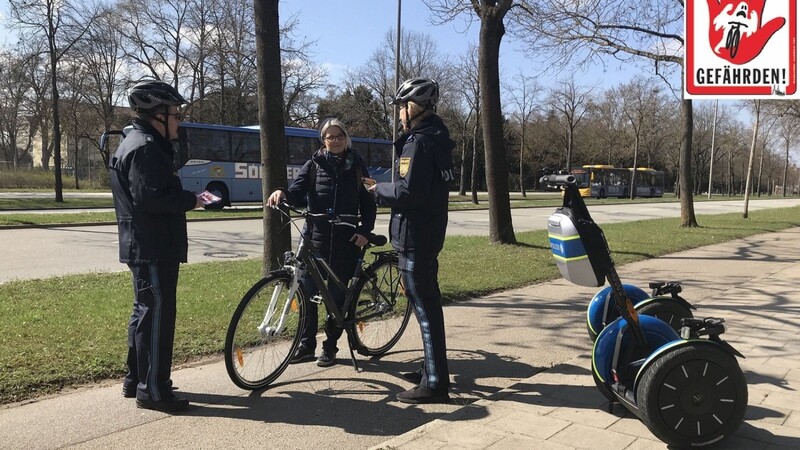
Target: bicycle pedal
316, 299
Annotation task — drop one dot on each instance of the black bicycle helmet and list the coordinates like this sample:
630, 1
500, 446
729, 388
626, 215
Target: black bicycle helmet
146, 95
422, 91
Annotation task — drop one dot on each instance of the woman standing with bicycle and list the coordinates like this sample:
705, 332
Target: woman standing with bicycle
330, 182
419, 199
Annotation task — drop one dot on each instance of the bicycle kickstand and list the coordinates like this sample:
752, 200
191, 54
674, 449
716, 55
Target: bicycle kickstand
352, 353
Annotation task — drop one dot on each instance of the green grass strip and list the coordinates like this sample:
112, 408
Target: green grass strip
71, 330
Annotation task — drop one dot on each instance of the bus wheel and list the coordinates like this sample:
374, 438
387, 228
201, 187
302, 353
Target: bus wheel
221, 191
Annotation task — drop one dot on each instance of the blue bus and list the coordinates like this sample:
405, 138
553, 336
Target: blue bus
226, 160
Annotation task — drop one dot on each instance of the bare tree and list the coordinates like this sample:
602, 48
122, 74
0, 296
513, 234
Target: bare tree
595, 31
270, 118
572, 103
468, 90
492, 14
14, 87
523, 96
62, 24
101, 56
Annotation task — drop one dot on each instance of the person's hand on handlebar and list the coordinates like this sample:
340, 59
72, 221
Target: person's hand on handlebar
276, 198
359, 239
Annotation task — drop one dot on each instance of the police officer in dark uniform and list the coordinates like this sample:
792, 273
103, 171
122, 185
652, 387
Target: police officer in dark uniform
419, 199
330, 182
151, 206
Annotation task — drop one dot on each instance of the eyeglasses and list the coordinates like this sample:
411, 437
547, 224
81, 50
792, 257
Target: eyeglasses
338, 137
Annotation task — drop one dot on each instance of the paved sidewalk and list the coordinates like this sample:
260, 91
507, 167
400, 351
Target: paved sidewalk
562, 409
520, 368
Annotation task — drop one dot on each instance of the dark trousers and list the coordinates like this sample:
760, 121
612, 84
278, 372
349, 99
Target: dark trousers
344, 269
151, 330
421, 282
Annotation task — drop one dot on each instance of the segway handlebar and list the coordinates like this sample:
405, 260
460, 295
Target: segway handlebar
558, 180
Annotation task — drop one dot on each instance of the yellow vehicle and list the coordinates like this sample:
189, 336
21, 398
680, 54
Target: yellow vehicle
649, 182
602, 181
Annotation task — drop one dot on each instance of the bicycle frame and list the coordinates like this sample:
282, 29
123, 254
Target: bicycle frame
309, 259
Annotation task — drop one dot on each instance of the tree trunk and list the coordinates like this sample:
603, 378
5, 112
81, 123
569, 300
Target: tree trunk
462, 187
501, 229
56, 117
521, 159
749, 176
474, 178
785, 168
688, 218
270, 119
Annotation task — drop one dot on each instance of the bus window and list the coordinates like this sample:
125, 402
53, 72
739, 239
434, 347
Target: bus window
208, 144
246, 147
300, 149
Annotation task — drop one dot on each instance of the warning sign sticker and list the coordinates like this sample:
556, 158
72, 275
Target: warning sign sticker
740, 49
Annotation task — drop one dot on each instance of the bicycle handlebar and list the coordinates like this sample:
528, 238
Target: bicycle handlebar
375, 240
559, 180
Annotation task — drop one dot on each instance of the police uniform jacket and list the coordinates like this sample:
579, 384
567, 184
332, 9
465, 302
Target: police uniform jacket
419, 196
330, 183
149, 200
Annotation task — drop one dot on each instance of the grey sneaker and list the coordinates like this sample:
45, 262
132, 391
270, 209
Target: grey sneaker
326, 358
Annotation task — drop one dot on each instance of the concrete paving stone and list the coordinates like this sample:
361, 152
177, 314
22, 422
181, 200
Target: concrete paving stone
631, 425
531, 424
770, 414
793, 420
597, 418
646, 444
786, 360
769, 433
582, 436
421, 443
793, 374
466, 435
531, 401
785, 400
516, 442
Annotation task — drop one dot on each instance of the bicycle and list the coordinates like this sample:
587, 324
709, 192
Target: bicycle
265, 329
733, 37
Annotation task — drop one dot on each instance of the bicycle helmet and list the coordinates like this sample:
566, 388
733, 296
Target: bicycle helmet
146, 95
423, 91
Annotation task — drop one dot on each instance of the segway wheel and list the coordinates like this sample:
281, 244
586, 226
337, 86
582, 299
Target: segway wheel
667, 310
693, 396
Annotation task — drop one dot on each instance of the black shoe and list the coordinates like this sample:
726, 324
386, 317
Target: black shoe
130, 392
302, 354
421, 394
414, 377
326, 358
172, 404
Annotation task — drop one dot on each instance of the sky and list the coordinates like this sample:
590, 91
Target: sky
347, 32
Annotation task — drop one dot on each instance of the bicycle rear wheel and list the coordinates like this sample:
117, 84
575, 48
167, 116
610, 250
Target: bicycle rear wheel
381, 309
264, 332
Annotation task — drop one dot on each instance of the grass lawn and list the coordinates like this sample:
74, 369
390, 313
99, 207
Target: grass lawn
71, 330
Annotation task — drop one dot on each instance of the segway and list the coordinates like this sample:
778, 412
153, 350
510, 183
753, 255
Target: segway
687, 389
663, 302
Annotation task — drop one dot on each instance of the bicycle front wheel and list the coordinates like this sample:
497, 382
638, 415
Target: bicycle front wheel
381, 309
264, 332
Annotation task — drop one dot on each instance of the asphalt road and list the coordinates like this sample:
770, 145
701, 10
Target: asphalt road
35, 253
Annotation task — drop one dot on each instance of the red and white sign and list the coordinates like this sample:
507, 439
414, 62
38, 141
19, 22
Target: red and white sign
739, 49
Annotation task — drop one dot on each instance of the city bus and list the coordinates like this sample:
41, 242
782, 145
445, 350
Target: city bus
602, 181
226, 160
649, 182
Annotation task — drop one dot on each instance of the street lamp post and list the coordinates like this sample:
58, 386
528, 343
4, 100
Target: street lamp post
395, 111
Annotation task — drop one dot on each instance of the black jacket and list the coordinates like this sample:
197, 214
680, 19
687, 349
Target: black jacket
419, 196
149, 200
336, 186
